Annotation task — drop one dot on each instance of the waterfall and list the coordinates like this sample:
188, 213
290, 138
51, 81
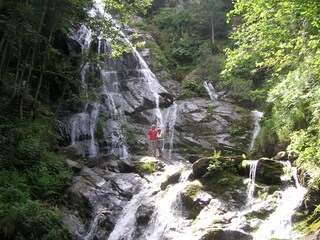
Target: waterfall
252, 180
109, 113
153, 84
164, 213
279, 225
168, 218
211, 91
170, 117
256, 116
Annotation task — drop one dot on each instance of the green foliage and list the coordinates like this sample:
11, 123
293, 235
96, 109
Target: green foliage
184, 34
146, 167
211, 110
192, 86
237, 129
30, 220
30, 173
159, 61
218, 165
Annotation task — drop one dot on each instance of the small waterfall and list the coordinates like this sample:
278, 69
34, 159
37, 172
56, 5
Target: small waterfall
252, 180
116, 118
170, 117
153, 84
126, 226
256, 116
279, 225
211, 91
168, 218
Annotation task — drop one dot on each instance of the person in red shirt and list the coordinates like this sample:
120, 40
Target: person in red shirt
152, 138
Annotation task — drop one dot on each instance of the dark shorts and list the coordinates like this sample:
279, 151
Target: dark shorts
159, 143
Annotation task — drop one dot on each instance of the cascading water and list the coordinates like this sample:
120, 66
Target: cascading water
279, 224
170, 116
252, 181
110, 114
211, 91
153, 85
164, 215
256, 116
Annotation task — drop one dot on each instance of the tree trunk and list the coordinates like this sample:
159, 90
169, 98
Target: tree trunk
43, 67
14, 92
212, 29
3, 58
33, 55
61, 99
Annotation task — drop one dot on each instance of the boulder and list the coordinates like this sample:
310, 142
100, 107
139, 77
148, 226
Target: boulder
72, 152
98, 194
225, 234
172, 179
194, 199
74, 166
144, 213
200, 167
269, 172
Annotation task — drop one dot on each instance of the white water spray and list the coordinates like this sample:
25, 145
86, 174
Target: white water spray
252, 181
256, 116
210, 90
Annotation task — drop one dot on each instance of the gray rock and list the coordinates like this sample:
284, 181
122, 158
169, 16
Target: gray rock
72, 152
283, 155
144, 213
74, 166
200, 167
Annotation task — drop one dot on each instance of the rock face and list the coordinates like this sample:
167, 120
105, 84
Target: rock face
131, 99
98, 195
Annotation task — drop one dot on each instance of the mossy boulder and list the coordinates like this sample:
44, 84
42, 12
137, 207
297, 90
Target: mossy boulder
148, 165
172, 179
269, 172
200, 167
194, 199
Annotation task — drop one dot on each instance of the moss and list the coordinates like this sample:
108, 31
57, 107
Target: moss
262, 213
221, 182
213, 234
146, 167
311, 223
193, 190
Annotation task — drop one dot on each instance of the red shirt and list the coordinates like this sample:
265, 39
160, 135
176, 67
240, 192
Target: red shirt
152, 134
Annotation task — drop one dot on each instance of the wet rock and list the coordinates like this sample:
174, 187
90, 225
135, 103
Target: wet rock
269, 172
74, 166
194, 199
200, 167
224, 234
144, 213
281, 156
72, 152
311, 201
101, 194
172, 179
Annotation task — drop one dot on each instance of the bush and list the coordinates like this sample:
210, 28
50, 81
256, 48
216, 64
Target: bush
30, 172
